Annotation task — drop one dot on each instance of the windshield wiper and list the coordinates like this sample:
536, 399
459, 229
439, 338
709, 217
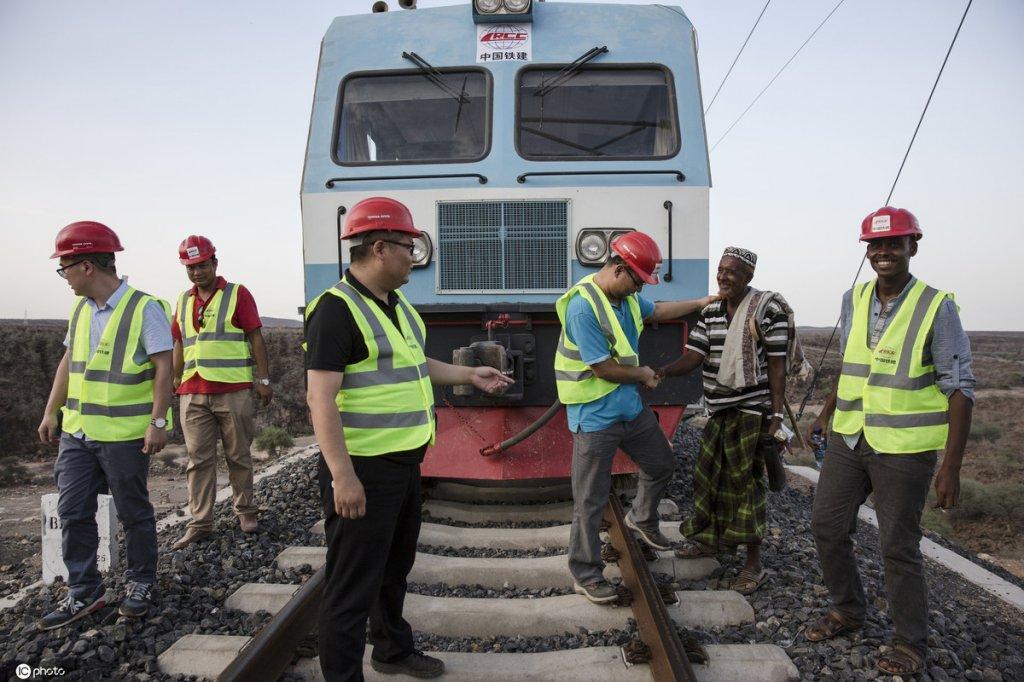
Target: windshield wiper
569, 71
435, 77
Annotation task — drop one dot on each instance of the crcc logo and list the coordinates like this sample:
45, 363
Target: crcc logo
25, 671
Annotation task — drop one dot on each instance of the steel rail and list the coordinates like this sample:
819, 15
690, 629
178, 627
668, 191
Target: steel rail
270, 651
657, 631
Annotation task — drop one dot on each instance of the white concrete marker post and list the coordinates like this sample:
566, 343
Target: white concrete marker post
53, 558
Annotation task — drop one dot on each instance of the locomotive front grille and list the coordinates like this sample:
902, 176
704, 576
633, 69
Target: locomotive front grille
503, 246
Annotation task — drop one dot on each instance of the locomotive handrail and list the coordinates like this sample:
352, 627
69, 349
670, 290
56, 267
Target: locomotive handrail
679, 174
481, 178
668, 208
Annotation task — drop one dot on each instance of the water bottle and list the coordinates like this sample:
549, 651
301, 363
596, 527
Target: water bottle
818, 444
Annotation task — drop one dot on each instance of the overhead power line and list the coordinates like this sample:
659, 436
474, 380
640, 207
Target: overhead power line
737, 58
814, 377
778, 73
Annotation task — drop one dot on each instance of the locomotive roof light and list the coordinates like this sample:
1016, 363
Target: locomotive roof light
491, 11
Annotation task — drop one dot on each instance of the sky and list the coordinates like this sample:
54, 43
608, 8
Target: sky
166, 119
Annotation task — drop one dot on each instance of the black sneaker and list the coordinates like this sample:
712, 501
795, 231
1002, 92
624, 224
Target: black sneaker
416, 664
598, 592
72, 609
652, 537
136, 600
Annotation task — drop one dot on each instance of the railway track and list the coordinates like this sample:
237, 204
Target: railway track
463, 524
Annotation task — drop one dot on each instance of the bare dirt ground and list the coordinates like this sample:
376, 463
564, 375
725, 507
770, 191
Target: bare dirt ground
20, 512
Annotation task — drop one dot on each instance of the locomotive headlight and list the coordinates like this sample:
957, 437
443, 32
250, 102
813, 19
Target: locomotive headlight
516, 6
487, 6
591, 247
422, 250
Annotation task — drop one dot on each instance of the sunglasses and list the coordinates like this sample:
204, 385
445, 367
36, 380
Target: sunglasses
639, 284
411, 246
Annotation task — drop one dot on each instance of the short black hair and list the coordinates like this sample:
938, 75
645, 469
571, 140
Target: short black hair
361, 251
103, 261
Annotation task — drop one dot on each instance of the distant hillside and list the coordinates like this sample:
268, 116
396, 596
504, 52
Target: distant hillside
280, 322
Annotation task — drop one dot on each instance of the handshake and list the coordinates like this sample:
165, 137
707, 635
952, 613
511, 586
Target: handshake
651, 378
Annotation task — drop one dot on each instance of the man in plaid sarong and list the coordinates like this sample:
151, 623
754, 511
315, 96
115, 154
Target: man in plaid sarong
744, 386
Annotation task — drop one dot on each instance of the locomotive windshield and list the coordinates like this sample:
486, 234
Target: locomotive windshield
598, 113
413, 118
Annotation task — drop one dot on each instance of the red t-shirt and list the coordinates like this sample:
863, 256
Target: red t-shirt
246, 318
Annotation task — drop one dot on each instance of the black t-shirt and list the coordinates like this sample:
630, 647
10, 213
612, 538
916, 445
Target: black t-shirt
334, 341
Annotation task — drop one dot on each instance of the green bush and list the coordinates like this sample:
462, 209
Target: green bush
982, 431
997, 501
273, 439
12, 473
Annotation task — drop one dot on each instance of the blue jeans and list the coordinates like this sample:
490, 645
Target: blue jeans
82, 468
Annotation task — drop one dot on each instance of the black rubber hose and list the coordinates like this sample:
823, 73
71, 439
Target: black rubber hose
494, 449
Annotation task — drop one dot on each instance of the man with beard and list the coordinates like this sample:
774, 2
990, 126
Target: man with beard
744, 389
905, 392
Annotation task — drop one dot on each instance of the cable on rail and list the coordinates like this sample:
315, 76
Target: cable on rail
935, 85
778, 73
737, 58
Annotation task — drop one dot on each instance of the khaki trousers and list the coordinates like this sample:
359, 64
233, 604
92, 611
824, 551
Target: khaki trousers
207, 418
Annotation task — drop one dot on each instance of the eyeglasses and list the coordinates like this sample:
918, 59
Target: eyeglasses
639, 284
411, 246
63, 270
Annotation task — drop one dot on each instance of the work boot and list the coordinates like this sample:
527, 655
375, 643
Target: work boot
598, 592
72, 609
137, 599
248, 523
191, 535
416, 664
653, 537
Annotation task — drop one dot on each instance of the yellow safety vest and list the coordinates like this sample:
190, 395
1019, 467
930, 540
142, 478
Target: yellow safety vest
574, 379
219, 351
386, 401
889, 393
110, 396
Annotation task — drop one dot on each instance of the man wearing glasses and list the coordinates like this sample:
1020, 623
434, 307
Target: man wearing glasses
598, 374
371, 400
217, 340
113, 390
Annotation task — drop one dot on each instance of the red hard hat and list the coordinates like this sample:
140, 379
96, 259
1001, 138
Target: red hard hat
640, 253
378, 213
194, 249
889, 222
83, 237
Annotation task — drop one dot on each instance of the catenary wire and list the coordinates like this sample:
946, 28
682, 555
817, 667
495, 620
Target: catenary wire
935, 85
737, 58
777, 74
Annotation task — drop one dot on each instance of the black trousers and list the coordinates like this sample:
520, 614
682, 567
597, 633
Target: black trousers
368, 560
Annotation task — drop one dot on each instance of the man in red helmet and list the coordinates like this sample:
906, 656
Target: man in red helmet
217, 340
741, 342
112, 389
905, 392
370, 398
598, 376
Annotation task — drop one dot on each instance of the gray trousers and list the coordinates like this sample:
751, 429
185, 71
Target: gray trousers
592, 453
900, 484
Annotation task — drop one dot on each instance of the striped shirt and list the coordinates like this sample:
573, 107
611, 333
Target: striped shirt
708, 339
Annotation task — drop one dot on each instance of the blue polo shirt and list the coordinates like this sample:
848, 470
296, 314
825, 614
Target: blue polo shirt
583, 329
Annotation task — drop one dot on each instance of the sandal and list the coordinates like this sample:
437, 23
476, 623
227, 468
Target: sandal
695, 550
828, 626
747, 581
901, 659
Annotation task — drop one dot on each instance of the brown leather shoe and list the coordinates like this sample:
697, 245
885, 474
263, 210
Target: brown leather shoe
248, 523
191, 535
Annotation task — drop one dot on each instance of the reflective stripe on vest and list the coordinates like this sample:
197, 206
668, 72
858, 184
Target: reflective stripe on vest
110, 397
888, 393
574, 379
386, 401
219, 351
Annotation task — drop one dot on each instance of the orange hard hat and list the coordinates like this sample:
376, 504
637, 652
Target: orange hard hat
194, 249
889, 222
378, 213
85, 236
640, 253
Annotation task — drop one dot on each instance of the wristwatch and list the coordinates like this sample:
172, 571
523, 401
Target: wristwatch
263, 382
158, 422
